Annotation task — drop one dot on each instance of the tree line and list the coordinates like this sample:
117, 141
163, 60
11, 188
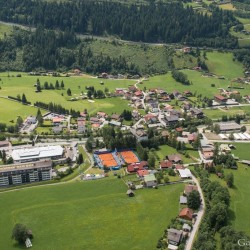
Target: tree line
161, 22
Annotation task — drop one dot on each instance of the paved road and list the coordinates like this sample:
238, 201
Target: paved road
200, 214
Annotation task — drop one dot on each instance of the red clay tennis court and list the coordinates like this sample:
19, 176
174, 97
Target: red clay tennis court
129, 156
108, 160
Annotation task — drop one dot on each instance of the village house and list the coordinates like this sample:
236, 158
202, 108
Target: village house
197, 113
31, 120
171, 120
57, 121
150, 118
101, 115
222, 100
175, 158
192, 137
166, 164
94, 120
132, 88
115, 117
187, 93
136, 115
186, 214
140, 134
81, 126
57, 129
186, 105
224, 148
189, 188
174, 236
185, 173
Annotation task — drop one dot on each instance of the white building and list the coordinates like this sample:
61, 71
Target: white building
36, 154
185, 173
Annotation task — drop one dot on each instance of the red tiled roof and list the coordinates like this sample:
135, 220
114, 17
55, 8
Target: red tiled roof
186, 213
166, 164
142, 172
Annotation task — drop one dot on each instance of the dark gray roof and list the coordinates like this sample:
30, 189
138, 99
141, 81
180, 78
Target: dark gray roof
174, 235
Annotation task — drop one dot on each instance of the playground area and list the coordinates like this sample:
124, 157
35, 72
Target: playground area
114, 159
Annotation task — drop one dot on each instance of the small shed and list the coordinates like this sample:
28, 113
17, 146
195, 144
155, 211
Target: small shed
130, 193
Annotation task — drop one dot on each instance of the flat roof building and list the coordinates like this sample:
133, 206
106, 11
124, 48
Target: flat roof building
37, 153
16, 174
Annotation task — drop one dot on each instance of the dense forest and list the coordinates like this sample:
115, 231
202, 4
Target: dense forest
53, 50
162, 22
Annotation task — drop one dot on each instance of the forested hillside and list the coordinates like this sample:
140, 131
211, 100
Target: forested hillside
160, 22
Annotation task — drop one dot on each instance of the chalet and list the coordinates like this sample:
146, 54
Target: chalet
115, 117
136, 115
179, 166
176, 93
189, 188
150, 180
166, 164
165, 134
84, 115
186, 105
171, 120
95, 126
197, 113
222, 100
139, 134
175, 158
174, 236
186, 214
134, 167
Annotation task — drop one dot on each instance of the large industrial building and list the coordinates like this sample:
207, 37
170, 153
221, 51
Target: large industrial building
37, 154
17, 174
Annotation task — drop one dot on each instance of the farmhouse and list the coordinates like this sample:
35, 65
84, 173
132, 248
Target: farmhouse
174, 236
220, 99
37, 153
25, 173
186, 214
166, 164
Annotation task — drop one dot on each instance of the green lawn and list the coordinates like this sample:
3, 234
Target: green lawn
167, 150
4, 29
240, 202
10, 110
242, 150
89, 215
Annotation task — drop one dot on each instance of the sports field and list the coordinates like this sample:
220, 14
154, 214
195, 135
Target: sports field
108, 160
129, 156
89, 215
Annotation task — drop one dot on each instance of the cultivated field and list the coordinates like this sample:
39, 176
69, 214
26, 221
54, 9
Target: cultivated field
89, 215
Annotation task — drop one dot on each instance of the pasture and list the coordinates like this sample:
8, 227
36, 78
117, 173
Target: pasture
10, 110
18, 85
89, 215
221, 64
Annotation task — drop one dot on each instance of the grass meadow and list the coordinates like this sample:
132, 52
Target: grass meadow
89, 215
240, 203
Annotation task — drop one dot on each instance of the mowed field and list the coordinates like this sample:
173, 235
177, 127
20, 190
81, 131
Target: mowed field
240, 202
89, 215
